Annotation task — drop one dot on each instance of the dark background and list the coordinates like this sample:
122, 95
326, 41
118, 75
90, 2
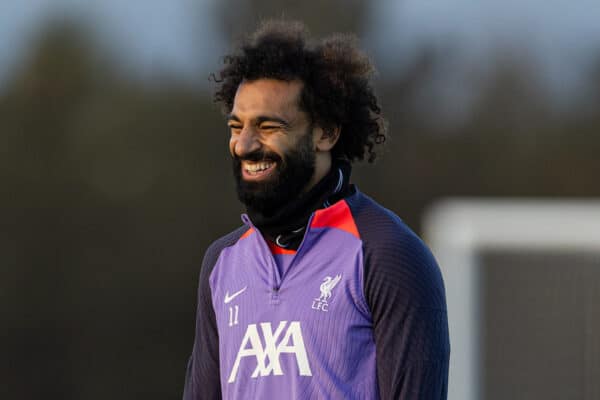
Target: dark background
113, 187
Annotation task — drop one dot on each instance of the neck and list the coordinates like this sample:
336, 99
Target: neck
291, 220
322, 168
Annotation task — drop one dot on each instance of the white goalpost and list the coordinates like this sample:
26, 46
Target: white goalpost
505, 261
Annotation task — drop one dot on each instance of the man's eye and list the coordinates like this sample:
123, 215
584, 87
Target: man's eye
270, 127
235, 127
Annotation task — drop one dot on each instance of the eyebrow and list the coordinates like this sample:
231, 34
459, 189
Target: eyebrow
232, 117
262, 118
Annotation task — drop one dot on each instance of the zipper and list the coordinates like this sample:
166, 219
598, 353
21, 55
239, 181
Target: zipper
274, 296
276, 278
301, 245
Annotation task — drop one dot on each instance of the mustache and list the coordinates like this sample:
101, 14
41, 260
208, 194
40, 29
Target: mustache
258, 155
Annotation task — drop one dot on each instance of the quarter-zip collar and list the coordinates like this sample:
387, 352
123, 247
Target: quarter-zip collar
286, 227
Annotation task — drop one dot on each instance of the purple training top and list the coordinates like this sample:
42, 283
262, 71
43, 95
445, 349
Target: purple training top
357, 312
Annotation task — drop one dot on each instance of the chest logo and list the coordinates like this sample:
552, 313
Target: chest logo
228, 297
320, 303
286, 339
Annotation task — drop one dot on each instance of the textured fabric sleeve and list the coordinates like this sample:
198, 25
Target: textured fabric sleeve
202, 379
405, 292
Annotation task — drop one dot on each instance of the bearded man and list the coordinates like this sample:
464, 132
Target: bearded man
322, 293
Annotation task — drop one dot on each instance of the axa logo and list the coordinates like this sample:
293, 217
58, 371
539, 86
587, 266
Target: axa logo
286, 339
320, 303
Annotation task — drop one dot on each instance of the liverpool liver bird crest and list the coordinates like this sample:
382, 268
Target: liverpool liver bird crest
327, 286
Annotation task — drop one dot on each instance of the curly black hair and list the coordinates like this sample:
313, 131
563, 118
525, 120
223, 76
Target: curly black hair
337, 91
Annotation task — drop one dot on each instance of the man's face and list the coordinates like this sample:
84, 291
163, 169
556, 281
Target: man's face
271, 143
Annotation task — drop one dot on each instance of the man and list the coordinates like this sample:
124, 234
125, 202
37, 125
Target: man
322, 293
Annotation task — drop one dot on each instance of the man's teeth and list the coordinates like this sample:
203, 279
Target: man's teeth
256, 167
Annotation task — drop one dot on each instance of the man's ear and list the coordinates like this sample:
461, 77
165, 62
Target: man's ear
325, 139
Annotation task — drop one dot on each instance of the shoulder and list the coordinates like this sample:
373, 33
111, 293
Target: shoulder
214, 250
382, 230
376, 223
394, 256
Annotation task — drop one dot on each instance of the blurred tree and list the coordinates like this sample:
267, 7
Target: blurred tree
103, 235
57, 77
513, 142
33, 113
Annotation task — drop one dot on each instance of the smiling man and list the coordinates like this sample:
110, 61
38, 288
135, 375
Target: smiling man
322, 293
272, 142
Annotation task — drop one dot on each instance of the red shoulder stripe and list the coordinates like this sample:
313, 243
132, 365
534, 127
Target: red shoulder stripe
337, 216
247, 233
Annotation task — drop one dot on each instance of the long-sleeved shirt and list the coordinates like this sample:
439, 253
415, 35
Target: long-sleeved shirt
358, 311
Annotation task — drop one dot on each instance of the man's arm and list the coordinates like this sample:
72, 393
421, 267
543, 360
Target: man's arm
202, 379
405, 292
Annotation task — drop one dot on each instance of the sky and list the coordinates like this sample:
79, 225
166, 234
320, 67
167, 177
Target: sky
148, 36
151, 36
558, 32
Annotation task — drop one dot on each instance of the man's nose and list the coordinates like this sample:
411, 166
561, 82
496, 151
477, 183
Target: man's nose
247, 142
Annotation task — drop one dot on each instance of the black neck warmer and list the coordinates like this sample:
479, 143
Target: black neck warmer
286, 226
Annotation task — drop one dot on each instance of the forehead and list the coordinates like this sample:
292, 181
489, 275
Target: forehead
267, 96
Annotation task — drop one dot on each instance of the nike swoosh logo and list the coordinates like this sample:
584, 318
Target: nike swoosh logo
228, 298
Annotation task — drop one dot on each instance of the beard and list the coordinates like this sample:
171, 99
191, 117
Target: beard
292, 173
